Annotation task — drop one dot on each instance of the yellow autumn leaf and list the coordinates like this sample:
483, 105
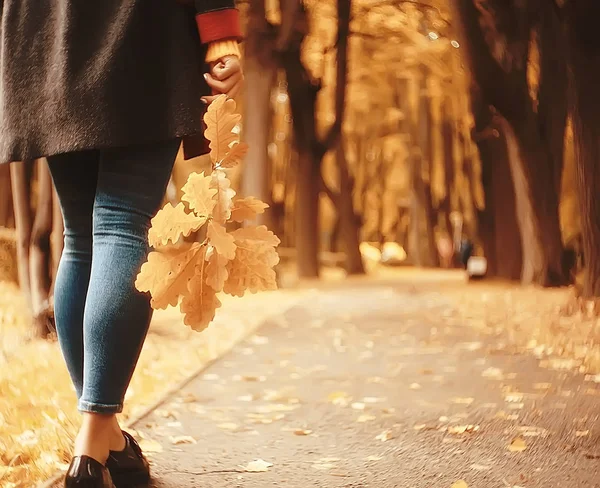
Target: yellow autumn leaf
171, 223
234, 155
223, 242
247, 209
250, 271
517, 445
216, 271
259, 237
224, 196
220, 119
166, 274
200, 304
199, 194
460, 484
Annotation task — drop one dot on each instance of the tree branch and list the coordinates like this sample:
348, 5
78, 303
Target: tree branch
335, 131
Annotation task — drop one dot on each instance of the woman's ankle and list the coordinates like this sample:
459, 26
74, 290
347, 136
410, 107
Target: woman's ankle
98, 435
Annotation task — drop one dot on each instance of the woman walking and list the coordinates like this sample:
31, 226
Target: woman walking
107, 91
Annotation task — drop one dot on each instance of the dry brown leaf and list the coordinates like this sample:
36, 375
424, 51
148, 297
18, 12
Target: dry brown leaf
216, 271
386, 435
223, 243
247, 209
365, 418
517, 445
224, 197
149, 445
460, 484
171, 223
257, 466
166, 274
199, 195
200, 305
463, 429
183, 439
302, 432
234, 155
220, 119
581, 433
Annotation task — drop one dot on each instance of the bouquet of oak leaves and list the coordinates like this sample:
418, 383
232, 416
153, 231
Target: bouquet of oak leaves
231, 262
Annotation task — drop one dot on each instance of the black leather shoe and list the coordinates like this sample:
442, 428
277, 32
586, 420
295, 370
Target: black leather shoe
129, 467
86, 472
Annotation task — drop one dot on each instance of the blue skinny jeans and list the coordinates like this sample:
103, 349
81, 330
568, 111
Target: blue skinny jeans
108, 198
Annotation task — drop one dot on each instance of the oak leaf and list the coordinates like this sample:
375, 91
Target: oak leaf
223, 243
200, 304
234, 156
220, 119
224, 196
170, 223
166, 274
216, 270
247, 209
258, 236
199, 194
250, 271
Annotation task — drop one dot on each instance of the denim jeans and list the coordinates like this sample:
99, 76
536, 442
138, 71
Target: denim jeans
108, 198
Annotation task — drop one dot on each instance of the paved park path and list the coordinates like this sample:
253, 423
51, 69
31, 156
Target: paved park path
376, 386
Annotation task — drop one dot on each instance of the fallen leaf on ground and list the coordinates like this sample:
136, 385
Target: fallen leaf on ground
323, 466
517, 445
386, 435
463, 401
581, 433
228, 426
149, 445
358, 406
480, 467
365, 418
183, 439
374, 458
302, 432
460, 484
340, 398
595, 378
462, 429
415, 386
257, 466
514, 397
493, 373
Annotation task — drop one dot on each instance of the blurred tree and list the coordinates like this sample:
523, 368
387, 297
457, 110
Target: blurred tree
580, 20
500, 35
36, 216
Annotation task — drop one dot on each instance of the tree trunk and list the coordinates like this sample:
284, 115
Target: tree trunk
584, 57
448, 145
6, 210
536, 161
349, 224
259, 70
498, 221
20, 175
307, 232
39, 253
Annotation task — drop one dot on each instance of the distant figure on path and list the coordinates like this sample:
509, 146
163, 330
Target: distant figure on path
107, 91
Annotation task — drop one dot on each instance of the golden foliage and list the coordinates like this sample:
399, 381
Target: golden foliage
230, 262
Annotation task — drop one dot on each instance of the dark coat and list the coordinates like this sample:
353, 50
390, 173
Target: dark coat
83, 74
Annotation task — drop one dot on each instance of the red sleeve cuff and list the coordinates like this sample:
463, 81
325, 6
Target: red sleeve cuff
218, 25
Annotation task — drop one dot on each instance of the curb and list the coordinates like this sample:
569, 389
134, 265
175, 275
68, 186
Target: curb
52, 482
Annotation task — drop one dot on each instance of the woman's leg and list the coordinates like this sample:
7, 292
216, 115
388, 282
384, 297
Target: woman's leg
131, 185
75, 176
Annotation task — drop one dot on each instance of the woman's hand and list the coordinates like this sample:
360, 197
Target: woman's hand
226, 77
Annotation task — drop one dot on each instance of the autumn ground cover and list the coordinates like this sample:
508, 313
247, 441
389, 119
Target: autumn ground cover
38, 418
37, 411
